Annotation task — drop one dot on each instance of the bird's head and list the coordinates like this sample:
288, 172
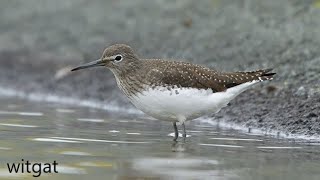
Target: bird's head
118, 57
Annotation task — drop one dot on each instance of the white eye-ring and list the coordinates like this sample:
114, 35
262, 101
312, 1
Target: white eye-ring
118, 58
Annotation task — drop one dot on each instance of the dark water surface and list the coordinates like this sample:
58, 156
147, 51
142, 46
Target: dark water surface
95, 144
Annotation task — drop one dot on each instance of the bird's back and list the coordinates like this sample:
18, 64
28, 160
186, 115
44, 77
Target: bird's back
183, 74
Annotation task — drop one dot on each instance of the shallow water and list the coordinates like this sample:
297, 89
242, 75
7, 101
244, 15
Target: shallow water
96, 144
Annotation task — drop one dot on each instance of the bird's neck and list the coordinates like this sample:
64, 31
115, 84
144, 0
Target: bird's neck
129, 79
130, 69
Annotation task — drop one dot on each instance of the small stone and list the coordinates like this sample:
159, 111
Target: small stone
301, 91
271, 89
310, 115
187, 22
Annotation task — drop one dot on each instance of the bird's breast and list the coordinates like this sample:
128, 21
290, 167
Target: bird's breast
169, 103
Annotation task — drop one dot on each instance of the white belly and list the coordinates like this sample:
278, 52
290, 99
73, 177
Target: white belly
181, 104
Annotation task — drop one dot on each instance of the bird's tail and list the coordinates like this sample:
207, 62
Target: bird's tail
262, 75
237, 78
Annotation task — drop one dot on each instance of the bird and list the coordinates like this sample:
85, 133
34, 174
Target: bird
172, 90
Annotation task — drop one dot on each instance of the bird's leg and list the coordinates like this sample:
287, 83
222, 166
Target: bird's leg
176, 132
184, 134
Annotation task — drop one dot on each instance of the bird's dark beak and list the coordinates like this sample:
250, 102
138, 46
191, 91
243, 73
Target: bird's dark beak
95, 63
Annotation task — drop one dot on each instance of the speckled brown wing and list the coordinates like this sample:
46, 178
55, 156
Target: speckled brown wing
183, 74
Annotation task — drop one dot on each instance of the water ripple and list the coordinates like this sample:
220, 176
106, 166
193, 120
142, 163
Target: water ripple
18, 125
75, 153
235, 139
21, 113
101, 140
278, 147
90, 120
221, 145
54, 140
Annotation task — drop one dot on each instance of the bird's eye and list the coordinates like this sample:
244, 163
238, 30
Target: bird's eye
118, 57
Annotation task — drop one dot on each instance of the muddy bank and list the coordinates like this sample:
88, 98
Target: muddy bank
40, 40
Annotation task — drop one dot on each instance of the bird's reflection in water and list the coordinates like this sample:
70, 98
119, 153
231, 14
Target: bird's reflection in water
179, 146
179, 167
